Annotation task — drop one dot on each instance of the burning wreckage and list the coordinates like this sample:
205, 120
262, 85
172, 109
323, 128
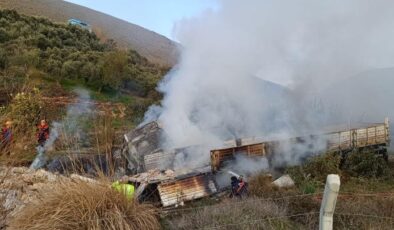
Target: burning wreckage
158, 180
154, 173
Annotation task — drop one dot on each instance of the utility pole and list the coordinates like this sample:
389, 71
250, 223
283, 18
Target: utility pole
327, 207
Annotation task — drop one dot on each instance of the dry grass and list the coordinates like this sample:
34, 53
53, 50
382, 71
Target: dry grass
3, 213
94, 156
352, 212
277, 208
261, 185
364, 213
248, 214
105, 138
81, 205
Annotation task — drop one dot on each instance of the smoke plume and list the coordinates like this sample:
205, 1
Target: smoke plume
272, 68
69, 126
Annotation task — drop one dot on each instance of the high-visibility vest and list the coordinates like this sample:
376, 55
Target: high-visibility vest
126, 189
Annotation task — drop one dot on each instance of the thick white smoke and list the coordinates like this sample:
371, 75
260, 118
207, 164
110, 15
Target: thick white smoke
219, 90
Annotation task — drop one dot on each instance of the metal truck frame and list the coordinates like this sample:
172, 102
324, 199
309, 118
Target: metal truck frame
343, 140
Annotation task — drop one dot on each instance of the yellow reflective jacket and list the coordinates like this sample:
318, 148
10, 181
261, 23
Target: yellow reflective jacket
126, 189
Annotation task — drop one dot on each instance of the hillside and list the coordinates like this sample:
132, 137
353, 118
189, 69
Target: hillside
156, 48
66, 53
42, 63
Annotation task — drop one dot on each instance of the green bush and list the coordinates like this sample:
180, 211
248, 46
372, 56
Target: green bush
366, 164
322, 165
309, 187
311, 176
26, 109
72, 53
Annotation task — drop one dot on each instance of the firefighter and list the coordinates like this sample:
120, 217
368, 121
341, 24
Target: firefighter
43, 133
6, 136
242, 189
238, 187
234, 186
124, 187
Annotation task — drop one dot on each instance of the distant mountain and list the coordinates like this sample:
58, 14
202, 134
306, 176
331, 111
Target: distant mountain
155, 47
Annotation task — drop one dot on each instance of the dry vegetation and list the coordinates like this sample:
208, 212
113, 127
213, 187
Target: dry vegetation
3, 213
358, 212
82, 205
248, 214
297, 208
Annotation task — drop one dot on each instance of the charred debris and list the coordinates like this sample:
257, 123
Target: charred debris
159, 179
152, 168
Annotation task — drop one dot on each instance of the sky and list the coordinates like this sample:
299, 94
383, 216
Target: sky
156, 15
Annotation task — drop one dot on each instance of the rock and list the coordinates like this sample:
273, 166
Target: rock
20, 186
51, 177
18, 170
284, 181
40, 175
12, 200
27, 178
169, 172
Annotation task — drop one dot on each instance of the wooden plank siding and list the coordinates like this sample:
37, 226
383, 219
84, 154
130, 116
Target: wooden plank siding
344, 140
187, 189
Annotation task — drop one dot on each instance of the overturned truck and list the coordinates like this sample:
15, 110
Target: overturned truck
172, 189
157, 179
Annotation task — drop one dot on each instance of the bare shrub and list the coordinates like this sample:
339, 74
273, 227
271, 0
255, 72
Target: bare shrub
82, 205
92, 155
104, 134
261, 186
105, 138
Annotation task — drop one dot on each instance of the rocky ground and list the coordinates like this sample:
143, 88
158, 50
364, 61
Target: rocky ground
20, 185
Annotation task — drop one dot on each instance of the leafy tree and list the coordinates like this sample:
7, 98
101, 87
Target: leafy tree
115, 69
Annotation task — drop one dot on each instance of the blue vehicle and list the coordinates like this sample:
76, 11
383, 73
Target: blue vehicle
79, 23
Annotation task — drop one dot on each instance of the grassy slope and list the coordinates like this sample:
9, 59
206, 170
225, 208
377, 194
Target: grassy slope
151, 45
36, 53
